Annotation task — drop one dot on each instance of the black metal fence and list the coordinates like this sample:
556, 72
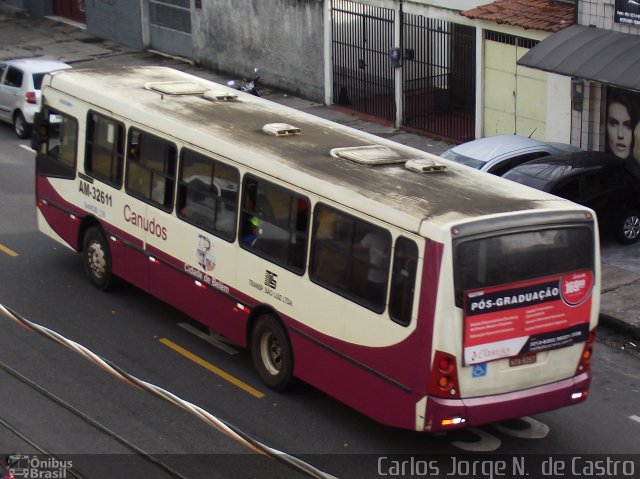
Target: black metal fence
439, 77
438, 68
363, 78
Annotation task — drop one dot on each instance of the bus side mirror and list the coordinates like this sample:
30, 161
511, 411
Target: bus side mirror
35, 141
39, 132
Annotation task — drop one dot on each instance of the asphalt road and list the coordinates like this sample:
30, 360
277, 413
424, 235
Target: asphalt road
53, 399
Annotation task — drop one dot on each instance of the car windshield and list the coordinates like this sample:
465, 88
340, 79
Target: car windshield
465, 160
37, 80
523, 175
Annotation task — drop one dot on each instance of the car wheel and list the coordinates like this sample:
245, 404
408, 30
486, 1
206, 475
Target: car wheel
271, 353
628, 229
20, 125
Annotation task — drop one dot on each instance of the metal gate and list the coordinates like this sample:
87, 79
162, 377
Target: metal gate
439, 77
170, 27
363, 78
72, 9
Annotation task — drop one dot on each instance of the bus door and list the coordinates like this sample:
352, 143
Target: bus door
121, 217
55, 141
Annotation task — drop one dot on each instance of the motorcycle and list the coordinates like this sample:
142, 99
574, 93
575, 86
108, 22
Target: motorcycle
247, 86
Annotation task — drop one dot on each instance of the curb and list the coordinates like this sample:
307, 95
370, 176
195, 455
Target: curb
619, 325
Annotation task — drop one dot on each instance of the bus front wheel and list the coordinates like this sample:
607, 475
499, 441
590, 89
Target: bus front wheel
96, 259
271, 353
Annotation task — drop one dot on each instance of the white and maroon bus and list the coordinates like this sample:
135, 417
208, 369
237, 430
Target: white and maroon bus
420, 292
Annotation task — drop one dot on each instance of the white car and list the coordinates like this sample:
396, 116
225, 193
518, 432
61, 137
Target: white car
20, 82
498, 154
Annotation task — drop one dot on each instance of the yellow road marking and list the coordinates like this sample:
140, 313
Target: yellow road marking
210, 367
8, 251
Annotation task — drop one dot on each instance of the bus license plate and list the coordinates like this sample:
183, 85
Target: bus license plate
522, 360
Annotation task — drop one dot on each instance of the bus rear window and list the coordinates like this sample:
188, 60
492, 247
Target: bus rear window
508, 258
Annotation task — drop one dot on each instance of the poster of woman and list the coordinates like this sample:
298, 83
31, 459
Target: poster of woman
622, 125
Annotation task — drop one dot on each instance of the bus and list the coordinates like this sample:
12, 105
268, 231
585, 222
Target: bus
421, 293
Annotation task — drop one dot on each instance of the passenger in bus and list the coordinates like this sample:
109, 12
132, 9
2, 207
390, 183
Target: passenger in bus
376, 245
254, 233
325, 224
158, 190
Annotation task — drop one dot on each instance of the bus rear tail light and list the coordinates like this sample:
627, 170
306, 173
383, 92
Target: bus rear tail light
579, 395
587, 352
444, 377
30, 97
452, 421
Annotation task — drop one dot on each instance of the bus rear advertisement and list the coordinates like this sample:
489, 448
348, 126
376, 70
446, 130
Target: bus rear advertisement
527, 317
420, 292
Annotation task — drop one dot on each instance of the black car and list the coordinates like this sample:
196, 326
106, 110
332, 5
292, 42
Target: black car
603, 182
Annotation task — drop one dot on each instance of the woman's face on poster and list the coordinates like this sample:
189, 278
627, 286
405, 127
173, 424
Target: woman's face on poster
619, 129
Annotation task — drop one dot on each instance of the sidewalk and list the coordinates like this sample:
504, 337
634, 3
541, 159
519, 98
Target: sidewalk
23, 36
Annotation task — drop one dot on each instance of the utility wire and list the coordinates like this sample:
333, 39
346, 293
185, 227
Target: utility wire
219, 424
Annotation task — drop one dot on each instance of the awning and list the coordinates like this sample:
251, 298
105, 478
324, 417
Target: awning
589, 53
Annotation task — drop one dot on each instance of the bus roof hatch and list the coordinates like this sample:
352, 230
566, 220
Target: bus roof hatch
176, 87
369, 155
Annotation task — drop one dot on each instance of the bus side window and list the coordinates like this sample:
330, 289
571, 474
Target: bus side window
370, 267
274, 223
59, 144
403, 280
151, 168
350, 257
208, 194
104, 157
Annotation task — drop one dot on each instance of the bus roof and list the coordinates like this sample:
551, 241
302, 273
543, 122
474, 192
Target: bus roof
234, 129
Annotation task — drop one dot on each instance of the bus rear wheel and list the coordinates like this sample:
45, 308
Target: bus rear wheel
97, 259
271, 353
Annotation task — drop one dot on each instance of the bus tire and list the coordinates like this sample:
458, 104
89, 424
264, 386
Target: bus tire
97, 259
271, 353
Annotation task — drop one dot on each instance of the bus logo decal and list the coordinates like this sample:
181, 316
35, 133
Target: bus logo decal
204, 253
270, 279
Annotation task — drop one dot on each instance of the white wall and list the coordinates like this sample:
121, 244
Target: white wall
558, 108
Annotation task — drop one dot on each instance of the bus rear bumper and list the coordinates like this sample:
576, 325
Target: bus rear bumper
460, 413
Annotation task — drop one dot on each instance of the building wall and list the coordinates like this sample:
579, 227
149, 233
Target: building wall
559, 112
39, 8
116, 21
284, 39
16, 3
